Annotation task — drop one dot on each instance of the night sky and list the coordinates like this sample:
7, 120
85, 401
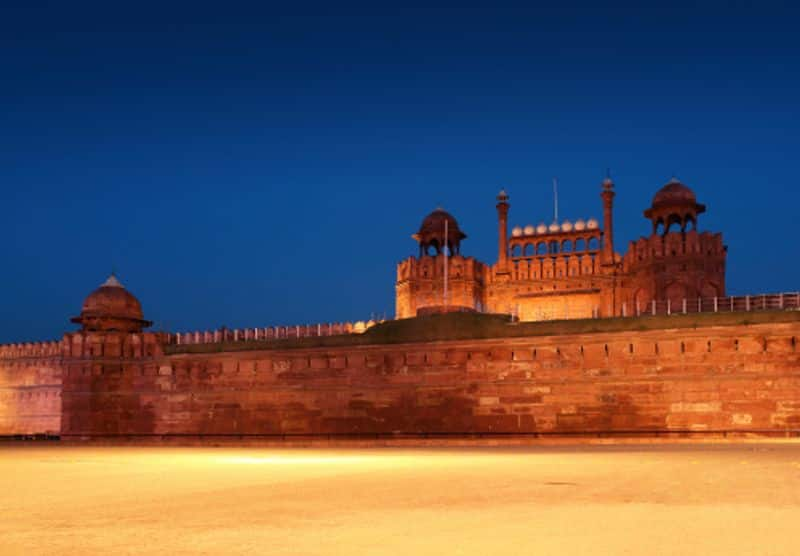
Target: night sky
258, 164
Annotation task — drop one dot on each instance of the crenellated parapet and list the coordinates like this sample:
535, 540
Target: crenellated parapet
111, 345
429, 267
30, 350
658, 248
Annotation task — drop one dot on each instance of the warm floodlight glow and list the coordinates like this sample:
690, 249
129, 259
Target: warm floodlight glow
708, 499
293, 460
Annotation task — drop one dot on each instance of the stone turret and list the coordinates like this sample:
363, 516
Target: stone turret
111, 308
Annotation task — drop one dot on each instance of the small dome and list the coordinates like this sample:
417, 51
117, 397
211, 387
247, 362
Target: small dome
529, 230
434, 224
111, 307
674, 203
554, 227
437, 229
516, 232
541, 228
592, 224
580, 225
674, 193
566, 226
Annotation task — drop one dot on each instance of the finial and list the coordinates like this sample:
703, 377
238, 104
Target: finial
502, 196
112, 281
608, 183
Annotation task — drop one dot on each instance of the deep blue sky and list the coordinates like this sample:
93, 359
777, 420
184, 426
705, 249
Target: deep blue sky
255, 164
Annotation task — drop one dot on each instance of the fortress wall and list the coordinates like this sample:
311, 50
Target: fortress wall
30, 389
567, 305
731, 378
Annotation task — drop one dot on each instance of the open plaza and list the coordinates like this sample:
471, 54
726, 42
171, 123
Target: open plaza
669, 498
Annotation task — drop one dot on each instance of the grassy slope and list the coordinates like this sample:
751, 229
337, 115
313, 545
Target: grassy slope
471, 326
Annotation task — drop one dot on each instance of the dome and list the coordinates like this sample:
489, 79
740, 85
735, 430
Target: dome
529, 230
541, 228
434, 224
580, 225
516, 232
111, 307
566, 226
674, 204
674, 193
432, 232
554, 227
592, 224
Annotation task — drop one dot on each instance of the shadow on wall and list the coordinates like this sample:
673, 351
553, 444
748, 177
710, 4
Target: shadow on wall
616, 413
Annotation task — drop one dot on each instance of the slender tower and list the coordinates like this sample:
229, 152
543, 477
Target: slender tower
607, 194
502, 235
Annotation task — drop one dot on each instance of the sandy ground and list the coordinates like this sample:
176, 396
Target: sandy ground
670, 499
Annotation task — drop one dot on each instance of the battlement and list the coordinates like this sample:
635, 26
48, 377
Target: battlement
676, 244
112, 345
30, 350
432, 267
556, 266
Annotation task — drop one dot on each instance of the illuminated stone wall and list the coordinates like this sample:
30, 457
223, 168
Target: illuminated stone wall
420, 284
726, 378
573, 305
30, 388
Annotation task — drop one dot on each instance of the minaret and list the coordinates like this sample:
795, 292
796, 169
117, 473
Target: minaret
608, 220
502, 232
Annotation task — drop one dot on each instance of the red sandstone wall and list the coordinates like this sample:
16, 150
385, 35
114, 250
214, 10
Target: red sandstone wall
107, 378
743, 378
30, 389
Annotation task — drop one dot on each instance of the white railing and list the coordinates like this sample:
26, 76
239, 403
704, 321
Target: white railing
761, 302
268, 333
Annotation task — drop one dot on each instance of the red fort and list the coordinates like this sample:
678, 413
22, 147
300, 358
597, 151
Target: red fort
569, 269
562, 335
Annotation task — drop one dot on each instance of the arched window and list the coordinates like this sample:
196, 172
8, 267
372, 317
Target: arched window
529, 250
674, 220
516, 251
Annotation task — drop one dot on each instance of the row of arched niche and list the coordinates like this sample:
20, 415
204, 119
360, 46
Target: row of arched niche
684, 223
554, 247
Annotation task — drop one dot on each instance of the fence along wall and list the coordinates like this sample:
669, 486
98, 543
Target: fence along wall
268, 333
725, 378
30, 389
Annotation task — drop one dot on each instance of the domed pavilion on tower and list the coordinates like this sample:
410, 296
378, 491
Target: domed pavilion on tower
111, 308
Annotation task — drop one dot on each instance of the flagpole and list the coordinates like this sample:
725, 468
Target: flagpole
445, 251
555, 200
